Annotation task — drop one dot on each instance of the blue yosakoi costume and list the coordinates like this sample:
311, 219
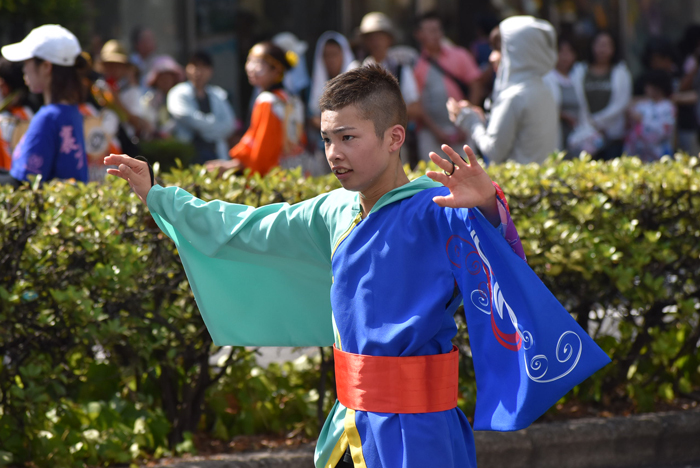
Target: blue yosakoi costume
393, 281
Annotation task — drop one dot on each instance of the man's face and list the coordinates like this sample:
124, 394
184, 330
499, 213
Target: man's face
377, 43
429, 33
199, 74
355, 154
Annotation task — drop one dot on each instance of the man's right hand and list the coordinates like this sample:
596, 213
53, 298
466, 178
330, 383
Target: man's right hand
133, 171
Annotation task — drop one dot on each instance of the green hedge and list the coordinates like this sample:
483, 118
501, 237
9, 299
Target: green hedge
105, 358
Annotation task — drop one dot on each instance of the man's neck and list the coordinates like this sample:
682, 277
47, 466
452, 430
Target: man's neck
393, 178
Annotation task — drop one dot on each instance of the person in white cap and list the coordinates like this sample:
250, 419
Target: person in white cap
53, 145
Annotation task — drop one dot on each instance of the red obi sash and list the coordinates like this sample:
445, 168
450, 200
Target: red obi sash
390, 384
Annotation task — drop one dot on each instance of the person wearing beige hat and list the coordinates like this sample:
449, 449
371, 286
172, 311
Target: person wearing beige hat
120, 78
378, 35
53, 145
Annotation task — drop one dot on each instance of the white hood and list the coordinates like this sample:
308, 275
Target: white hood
320, 75
528, 50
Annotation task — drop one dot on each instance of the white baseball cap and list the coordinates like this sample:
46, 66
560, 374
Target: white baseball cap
50, 42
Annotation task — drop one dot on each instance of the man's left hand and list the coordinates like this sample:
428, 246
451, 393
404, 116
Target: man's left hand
470, 186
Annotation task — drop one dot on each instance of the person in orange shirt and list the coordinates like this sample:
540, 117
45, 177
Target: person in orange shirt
275, 129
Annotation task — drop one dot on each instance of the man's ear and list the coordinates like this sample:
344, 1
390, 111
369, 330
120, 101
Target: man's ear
396, 136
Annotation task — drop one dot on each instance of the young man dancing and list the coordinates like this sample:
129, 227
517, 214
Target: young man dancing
378, 268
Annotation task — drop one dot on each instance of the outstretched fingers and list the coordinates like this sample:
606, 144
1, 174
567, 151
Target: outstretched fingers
473, 161
441, 162
454, 156
117, 159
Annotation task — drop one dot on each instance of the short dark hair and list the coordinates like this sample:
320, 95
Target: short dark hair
659, 46
373, 90
486, 22
12, 74
135, 36
201, 57
427, 16
661, 80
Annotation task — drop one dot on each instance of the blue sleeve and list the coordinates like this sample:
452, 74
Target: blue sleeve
528, 351
37, 150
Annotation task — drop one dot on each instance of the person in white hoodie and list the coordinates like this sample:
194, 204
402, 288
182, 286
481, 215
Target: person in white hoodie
607, 86
523, 125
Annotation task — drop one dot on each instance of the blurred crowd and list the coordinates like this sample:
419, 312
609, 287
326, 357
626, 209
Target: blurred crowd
519, 92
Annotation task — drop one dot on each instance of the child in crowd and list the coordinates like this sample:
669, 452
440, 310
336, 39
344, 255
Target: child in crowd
276, 124
379, 268
53, 145
653, 119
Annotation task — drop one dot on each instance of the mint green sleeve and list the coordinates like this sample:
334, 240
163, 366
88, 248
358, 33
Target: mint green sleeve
260, 276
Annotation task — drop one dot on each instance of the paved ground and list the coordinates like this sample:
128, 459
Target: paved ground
657, 440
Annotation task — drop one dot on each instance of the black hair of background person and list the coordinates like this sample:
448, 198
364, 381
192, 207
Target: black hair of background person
201, 57
12, 74
617, 54
688, 45
659, 46
661, 80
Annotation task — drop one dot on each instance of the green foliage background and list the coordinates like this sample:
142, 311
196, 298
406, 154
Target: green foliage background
105, 358
18, 17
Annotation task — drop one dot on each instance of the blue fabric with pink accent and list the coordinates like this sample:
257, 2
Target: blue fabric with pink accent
53, 146
394, 295
528, 351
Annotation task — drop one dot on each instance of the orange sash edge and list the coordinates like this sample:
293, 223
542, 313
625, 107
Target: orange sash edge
391, 384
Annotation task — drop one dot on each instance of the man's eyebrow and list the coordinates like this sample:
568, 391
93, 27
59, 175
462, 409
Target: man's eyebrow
338, 130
